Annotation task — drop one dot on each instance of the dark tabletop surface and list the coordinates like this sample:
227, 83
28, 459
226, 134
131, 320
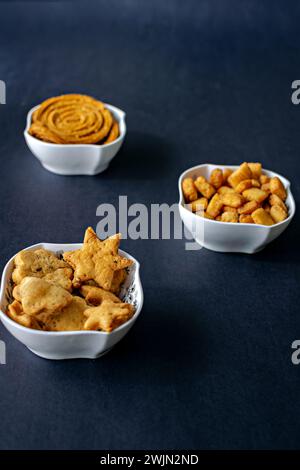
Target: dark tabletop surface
208, 363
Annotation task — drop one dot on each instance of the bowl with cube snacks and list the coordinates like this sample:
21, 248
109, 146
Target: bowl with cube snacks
230, 208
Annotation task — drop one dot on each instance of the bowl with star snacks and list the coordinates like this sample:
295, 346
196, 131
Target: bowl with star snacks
66, 301
235, 208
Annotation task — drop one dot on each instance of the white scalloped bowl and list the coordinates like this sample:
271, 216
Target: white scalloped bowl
76, 159
227, 236
71, 344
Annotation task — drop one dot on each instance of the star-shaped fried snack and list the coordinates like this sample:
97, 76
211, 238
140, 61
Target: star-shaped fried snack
97, 260
108, 316
35, 263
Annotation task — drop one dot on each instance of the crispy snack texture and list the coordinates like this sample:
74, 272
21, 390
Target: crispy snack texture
234, 196
108, 316
74, 119
97, 260
52, 294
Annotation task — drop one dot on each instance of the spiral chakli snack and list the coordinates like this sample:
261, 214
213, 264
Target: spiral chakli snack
74, 119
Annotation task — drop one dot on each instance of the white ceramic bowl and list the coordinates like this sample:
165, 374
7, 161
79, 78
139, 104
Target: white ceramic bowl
71, 344
231, 237
76, 159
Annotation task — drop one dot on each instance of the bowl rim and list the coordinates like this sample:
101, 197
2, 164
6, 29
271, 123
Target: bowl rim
121, 115
286, 182
59, 246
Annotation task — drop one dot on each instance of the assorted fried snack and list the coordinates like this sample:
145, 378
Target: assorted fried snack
74, 119
78, 292
245, 195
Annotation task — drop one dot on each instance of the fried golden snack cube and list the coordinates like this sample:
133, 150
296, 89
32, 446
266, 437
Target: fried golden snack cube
205, 188
242, 173
216, 178
277, 188
107, 316
96, 295
255, 194
262, 217
215, 205
264, 179
199, 204
229, 217
225, 189
265, 187
278, 213
248, 208
255, 169
207, 216
230, 209
218, 218
246, 219
232, 199
40, 296
276, 201
189, 190
243, 185
226, 173
255, 183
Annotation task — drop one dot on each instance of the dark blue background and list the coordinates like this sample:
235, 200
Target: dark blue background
208, 363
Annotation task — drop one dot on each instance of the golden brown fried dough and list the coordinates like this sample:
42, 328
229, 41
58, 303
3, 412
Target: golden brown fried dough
245, 184
108, 316
255, 194
246, 219
39, 296
229, 217
242, 173
264, 179
262, 217
232, 199
225, 189
215, 205
189, 190
276, 187
199, 204
118, 280
248, 208
205, 188
95, 295
73, 119
255, 169
216, 178
16, 313
226, 173
230, 209
278, 213
62, 277
35, 263
276, 201
70, 318
97, 260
